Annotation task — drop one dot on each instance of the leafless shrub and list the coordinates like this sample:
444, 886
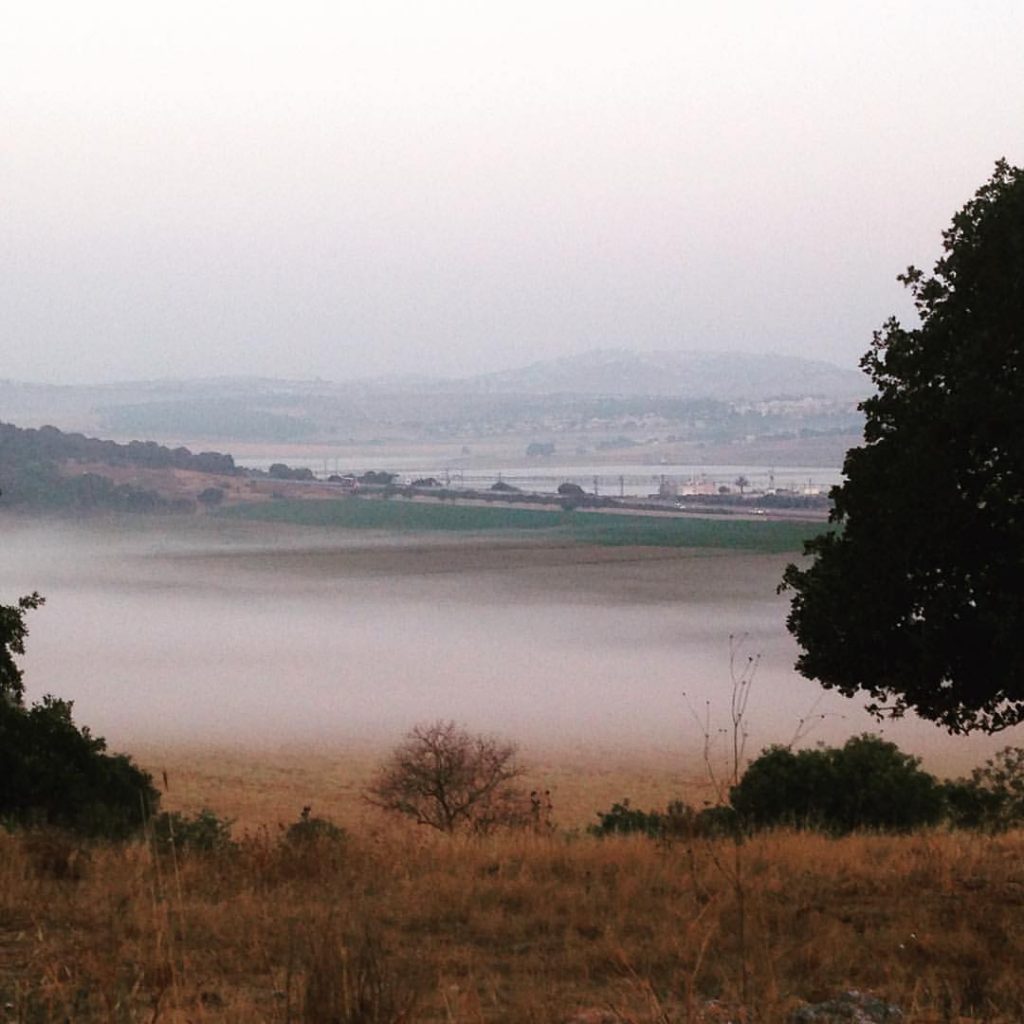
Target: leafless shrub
445, 777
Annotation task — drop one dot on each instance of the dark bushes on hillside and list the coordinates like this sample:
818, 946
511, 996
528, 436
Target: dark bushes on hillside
281, 471
48, 444
54, 773
33, 471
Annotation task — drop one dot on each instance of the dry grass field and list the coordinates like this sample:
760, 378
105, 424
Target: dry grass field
267, 787
395, 923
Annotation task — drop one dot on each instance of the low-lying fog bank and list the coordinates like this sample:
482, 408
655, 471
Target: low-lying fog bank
244, 634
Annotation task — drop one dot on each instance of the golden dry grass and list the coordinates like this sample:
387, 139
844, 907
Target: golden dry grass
513, 927
268, 786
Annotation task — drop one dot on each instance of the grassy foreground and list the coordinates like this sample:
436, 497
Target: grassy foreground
394, 924
585, 527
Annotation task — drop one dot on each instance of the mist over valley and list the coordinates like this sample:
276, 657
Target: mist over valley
244, 633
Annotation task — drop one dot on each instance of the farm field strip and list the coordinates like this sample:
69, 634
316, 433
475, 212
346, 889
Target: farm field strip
604, 528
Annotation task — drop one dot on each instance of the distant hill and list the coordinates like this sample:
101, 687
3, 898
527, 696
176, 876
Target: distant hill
723, 376
50, 469
604, 390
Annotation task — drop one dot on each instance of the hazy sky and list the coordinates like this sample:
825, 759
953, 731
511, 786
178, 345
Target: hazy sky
335, 189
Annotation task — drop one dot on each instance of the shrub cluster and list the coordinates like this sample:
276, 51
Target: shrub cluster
31, 476
48, 444
992, 799
51, 771
281, 471
54, 773
200, 833
866, 784
678, 821
312, 829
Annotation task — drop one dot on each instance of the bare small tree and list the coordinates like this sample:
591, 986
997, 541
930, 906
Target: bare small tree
442, 776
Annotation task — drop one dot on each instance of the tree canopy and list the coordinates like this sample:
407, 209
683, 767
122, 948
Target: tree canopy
916, 596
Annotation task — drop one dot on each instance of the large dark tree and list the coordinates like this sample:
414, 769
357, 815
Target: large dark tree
917, 597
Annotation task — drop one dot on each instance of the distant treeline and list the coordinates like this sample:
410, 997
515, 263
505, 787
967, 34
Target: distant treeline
210, 417
30, 474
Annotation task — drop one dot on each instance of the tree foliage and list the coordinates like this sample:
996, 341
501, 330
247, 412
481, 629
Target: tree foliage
916, 598
51, 771
12, 642
43, 469
445, 777
54, 773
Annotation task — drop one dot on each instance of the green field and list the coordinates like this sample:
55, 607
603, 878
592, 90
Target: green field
584, 527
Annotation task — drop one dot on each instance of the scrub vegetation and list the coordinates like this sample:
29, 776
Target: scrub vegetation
49, 469
392, 922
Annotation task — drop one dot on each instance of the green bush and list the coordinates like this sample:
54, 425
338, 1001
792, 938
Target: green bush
678, 821
54, 773
51, 771
625, 820
868, 783
201, 833
992, 799
310, 829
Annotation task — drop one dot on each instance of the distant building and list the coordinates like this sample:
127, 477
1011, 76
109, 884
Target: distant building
698, 485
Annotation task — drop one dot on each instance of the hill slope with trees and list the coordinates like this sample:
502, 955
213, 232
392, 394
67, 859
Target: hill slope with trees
48, 468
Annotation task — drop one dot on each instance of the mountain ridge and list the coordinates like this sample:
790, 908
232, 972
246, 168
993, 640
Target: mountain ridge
607, 372
683, 374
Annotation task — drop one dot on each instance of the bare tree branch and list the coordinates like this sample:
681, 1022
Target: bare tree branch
442, 776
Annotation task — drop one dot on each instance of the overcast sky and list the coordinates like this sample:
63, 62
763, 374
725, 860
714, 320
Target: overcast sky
338, 189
